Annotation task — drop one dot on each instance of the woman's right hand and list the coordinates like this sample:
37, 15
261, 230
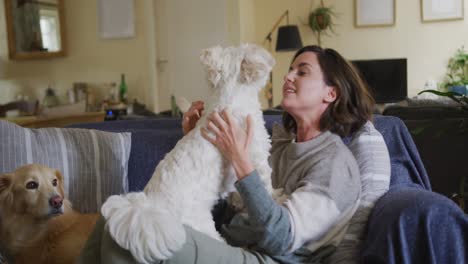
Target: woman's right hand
191, 117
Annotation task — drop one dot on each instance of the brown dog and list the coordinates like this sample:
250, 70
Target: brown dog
37, 225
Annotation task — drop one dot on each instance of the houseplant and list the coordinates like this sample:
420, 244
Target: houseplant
321, 21
455, 84
456, 78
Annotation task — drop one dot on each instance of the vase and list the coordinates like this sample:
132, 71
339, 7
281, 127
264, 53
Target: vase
50, 100
459, 89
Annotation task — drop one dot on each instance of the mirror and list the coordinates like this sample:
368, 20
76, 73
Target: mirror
35, 29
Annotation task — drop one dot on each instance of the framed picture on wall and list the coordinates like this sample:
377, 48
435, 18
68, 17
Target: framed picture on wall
116, 18
374, 13
441, 10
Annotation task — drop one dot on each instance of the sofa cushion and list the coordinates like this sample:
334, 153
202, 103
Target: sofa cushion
149, 146
94, 163
371, 153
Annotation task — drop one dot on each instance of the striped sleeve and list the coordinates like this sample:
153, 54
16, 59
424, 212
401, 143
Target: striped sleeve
371, 153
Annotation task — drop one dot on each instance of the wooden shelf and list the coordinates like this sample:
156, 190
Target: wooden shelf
60, 121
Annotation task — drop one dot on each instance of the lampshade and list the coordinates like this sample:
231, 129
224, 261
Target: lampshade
288, 38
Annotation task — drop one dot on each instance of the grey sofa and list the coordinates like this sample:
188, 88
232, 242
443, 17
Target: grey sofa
410, 224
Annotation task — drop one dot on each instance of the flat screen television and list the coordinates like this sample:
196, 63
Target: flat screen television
387, 78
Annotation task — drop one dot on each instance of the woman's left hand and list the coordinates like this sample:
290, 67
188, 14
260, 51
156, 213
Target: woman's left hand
231, 140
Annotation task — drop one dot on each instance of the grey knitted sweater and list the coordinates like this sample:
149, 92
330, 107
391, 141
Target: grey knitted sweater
321, 180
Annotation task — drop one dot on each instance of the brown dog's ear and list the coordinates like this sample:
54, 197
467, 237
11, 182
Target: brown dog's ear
6, 195
5, 182
60, 183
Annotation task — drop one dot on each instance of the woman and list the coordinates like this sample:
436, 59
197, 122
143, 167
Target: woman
323, 99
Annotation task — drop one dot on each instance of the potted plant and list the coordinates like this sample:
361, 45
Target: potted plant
321, 21
455, 84
456, 79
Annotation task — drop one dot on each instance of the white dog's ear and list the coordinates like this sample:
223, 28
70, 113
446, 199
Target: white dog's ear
256, 64
211, 59
209, 56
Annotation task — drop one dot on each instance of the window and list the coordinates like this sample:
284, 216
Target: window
50, 29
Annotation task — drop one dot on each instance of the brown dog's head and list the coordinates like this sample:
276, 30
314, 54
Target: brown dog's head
34, 189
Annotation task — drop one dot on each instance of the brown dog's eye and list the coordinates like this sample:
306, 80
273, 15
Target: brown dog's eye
54, 182
32, 185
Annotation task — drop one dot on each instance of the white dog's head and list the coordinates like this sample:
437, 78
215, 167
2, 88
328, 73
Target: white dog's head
247, 64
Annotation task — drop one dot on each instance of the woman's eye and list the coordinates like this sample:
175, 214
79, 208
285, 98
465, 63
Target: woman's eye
301, 73
54, 182
32, 185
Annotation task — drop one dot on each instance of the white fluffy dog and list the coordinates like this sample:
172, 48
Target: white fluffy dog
192, 177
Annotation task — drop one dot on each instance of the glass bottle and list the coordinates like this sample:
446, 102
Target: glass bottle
175, 112
123, 90
50, 99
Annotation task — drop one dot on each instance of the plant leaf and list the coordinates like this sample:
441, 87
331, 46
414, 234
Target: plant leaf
418, 130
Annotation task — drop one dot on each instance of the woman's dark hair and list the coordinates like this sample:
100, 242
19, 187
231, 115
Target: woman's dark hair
353, 106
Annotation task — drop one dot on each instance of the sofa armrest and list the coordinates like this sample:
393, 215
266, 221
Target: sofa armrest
413, 225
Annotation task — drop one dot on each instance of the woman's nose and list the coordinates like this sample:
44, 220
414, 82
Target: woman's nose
289, 77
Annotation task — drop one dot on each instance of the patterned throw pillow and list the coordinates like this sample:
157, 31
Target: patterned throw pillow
94, 163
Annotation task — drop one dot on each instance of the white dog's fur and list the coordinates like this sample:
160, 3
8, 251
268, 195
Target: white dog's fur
192, 177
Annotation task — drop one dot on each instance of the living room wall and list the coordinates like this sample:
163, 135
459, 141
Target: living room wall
89, 59
427, 46
94, 60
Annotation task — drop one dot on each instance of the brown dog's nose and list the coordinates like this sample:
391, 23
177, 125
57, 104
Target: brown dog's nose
56, 201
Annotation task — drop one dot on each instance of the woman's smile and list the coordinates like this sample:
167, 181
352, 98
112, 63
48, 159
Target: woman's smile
288, 88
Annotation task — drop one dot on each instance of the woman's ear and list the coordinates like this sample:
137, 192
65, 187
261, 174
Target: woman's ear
330, 97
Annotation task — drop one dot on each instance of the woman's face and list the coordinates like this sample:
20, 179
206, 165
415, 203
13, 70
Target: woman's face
305, 91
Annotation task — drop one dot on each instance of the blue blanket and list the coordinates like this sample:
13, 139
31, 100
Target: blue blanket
411, 224
407, 167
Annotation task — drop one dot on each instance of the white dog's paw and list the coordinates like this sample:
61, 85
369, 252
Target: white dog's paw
143, 226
